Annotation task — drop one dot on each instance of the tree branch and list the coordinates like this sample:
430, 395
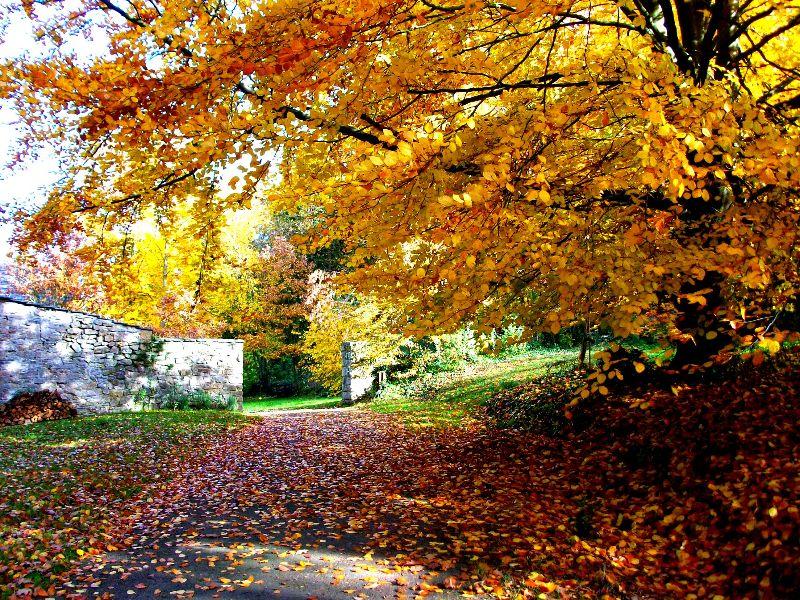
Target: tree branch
164, 183
496, 90
791, 24
346, 130
673, 40
457, 7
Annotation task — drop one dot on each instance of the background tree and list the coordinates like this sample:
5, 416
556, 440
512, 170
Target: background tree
338, 318
264, 301
58, 277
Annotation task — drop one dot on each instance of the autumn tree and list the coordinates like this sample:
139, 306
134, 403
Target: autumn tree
268, 308
57, 277
542, 163
337, 318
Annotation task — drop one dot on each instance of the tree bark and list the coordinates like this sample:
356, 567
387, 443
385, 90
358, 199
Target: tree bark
585, 339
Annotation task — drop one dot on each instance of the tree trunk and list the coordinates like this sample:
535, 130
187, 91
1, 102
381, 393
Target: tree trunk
704, 334
584, 346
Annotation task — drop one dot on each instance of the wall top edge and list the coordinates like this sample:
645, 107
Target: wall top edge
200, 340
7, 299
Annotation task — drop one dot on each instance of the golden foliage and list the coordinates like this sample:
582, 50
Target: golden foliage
351, 318
541, 163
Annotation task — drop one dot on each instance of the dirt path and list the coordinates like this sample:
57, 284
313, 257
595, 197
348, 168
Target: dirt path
319, 504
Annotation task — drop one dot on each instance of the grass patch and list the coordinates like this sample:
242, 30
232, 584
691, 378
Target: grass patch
260, 403
97, 430
451, 399
65, 484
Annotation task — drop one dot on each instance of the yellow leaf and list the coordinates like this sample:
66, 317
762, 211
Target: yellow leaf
405, 150
770, 345
544, 196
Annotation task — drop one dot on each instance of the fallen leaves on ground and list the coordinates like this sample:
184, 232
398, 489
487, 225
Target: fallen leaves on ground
694, 496
67, 486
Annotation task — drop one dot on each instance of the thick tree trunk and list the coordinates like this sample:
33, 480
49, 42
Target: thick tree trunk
704, 334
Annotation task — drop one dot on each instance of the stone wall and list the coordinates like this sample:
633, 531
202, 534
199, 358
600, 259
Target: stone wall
104, 366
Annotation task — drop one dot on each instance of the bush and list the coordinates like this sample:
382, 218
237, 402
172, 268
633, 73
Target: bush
569, 337
176, 398
436, 354
275, 377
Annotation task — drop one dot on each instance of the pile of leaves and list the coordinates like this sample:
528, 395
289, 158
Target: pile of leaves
34, 407
710, 473
68, 488
538, 405
692, 489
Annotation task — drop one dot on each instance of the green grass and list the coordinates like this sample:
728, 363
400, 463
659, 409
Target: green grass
97, 430
63, 483
448, 399
260, 404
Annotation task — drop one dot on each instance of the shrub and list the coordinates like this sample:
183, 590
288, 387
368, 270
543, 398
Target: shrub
436, 354
176, 398
279, 377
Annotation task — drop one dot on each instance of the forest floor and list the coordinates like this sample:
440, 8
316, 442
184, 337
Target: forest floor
689, 492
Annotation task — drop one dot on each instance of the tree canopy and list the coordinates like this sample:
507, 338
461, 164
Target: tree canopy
632, 163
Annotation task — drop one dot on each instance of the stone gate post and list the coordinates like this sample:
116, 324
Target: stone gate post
356, 373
